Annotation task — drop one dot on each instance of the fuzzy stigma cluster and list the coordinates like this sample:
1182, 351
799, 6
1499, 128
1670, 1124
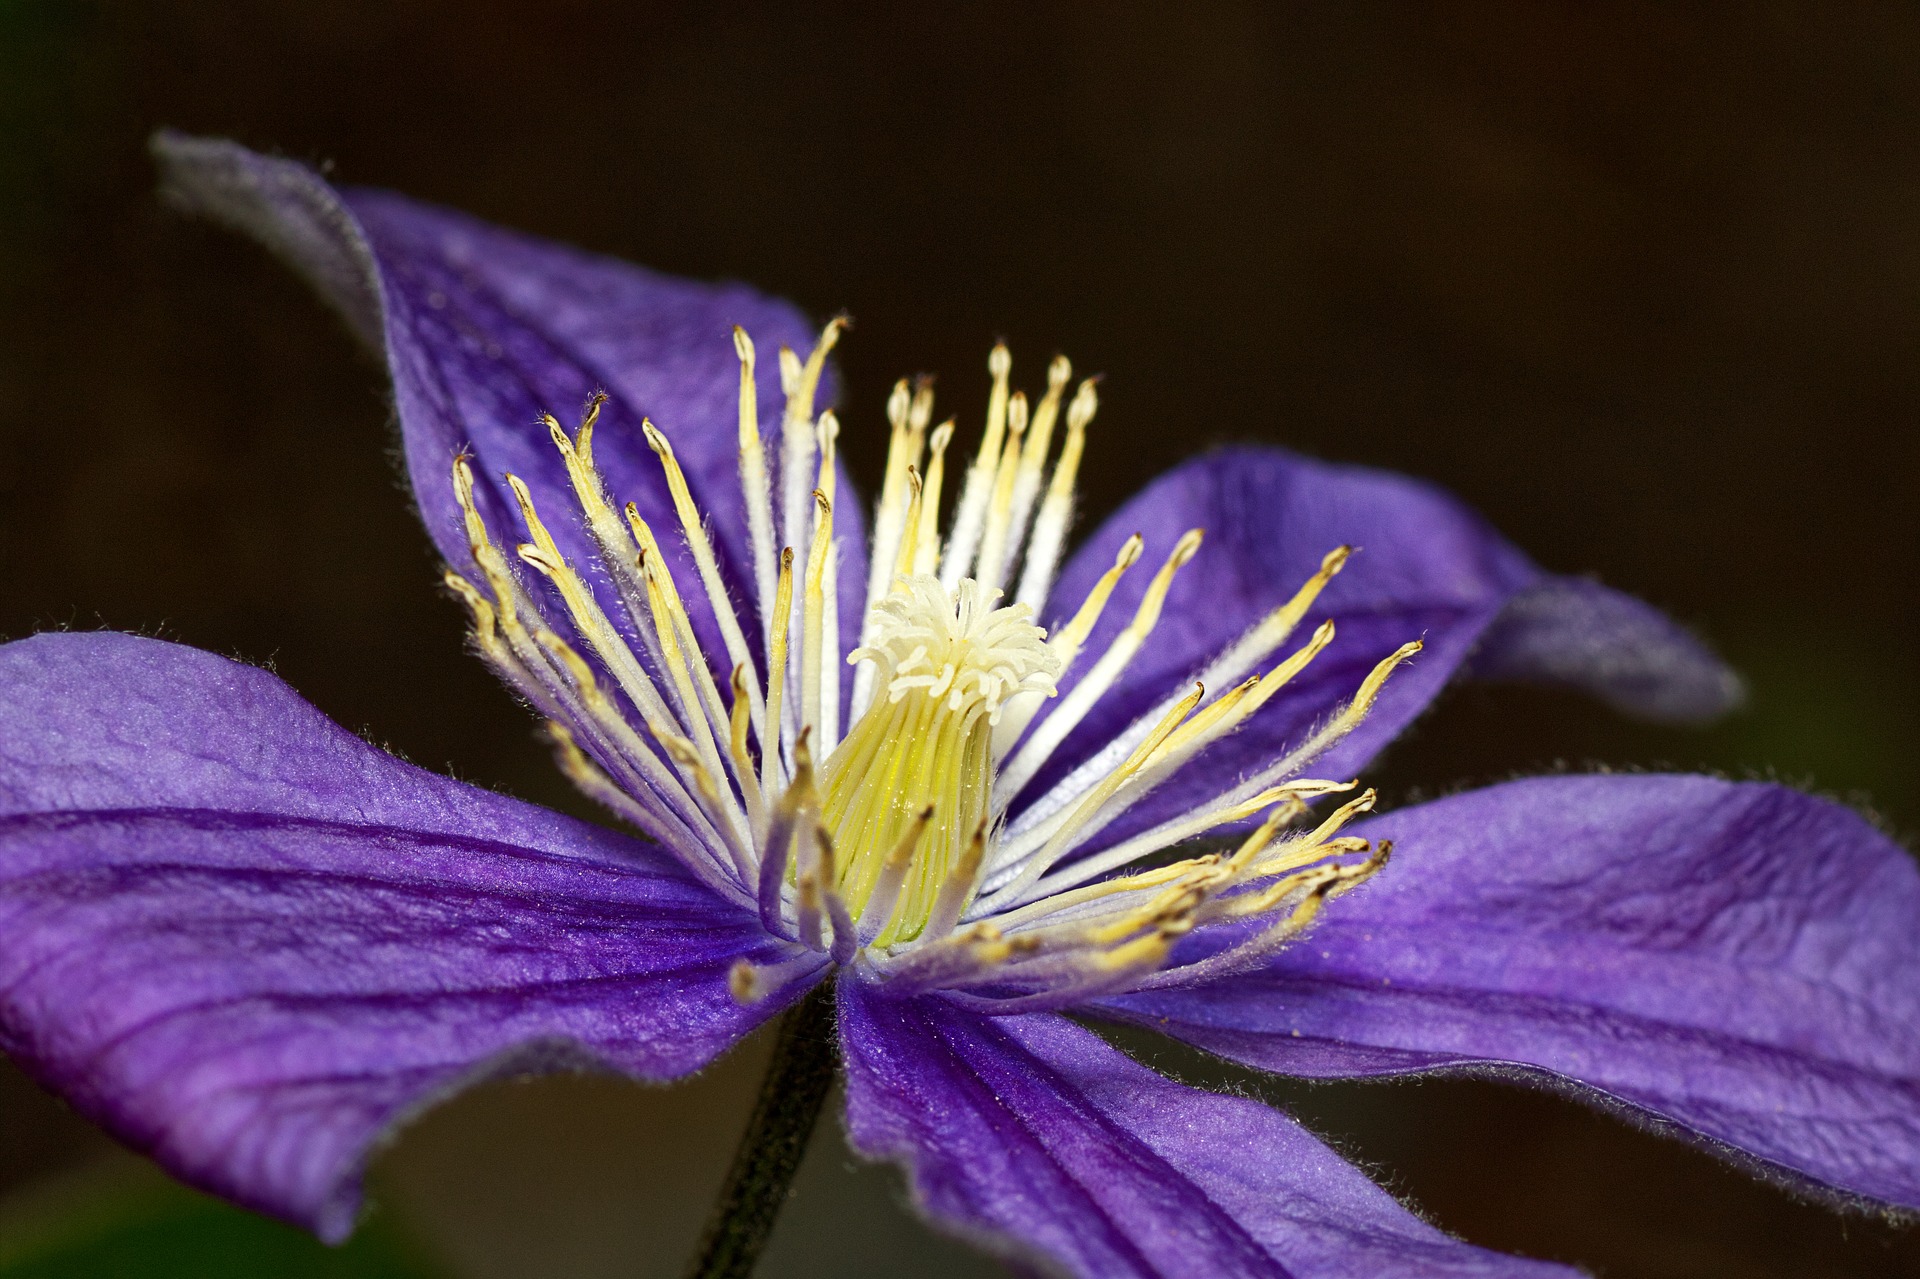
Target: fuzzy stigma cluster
917, 846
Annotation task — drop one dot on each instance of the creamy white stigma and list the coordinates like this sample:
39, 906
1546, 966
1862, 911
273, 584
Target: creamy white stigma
915, 849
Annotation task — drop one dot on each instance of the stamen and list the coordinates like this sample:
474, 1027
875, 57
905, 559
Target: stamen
560, 685
801, 382
608, 536
597, 786
487, 556
681, 668
742, 759
894, 514
1033, 455
756, 490
1053, 730
811, 620
1044, 817
1059, 844
749, 983
1066, 645
781, 828
1313, 888
994, 547
957, 891
1336, 728
545, 557
1056, 512
845, 940
885, 894
1259, 640
590, 711
708, 567
663, 604
1289, 796
829, 650
810, 908
970, 518
772, 758
926, 552
1230, 712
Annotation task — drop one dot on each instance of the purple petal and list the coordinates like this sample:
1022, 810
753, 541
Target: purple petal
1567, 630
249, 943
1427, 568
485, 329
1738, 962
1038, 1139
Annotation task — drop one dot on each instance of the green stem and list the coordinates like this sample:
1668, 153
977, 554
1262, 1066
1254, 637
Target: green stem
798, 1080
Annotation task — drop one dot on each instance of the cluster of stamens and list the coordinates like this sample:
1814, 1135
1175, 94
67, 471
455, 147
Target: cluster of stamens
899, 850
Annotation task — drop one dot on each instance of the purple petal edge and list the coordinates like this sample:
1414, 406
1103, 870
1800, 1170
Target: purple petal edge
252, 945
1577, 633
1039, 1141
484, 329
1735, 963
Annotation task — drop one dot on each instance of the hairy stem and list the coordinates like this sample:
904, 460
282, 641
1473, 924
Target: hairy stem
796, 1086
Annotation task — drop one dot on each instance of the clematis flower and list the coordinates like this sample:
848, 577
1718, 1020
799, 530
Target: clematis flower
976, 783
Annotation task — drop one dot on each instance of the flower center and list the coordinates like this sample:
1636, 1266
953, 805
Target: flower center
920, 846
909, 791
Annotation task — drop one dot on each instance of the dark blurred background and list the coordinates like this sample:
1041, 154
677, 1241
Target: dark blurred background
1641, 282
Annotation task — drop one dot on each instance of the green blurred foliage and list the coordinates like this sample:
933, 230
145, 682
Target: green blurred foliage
122, 1218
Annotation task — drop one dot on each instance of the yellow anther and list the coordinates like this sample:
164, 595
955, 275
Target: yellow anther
739, 722
1201, 725
956, 890
921, 414
1074, 634
743, 983
485, 633
878, 911
749, 392
578, 672
969, 521
926, 538
812, 618
994, 549
1033, 454
705, 563
772, 733
492, 564
1147, 616
807, 382
1143, 953
791, 373
906, 554
583, 442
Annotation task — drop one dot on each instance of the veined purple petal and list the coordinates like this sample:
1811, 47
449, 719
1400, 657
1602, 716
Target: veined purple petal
1426, 568
1737, 962
1034, 1137
249, 943
485, 329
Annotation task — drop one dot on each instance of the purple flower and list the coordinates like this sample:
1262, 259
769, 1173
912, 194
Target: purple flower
251, 944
